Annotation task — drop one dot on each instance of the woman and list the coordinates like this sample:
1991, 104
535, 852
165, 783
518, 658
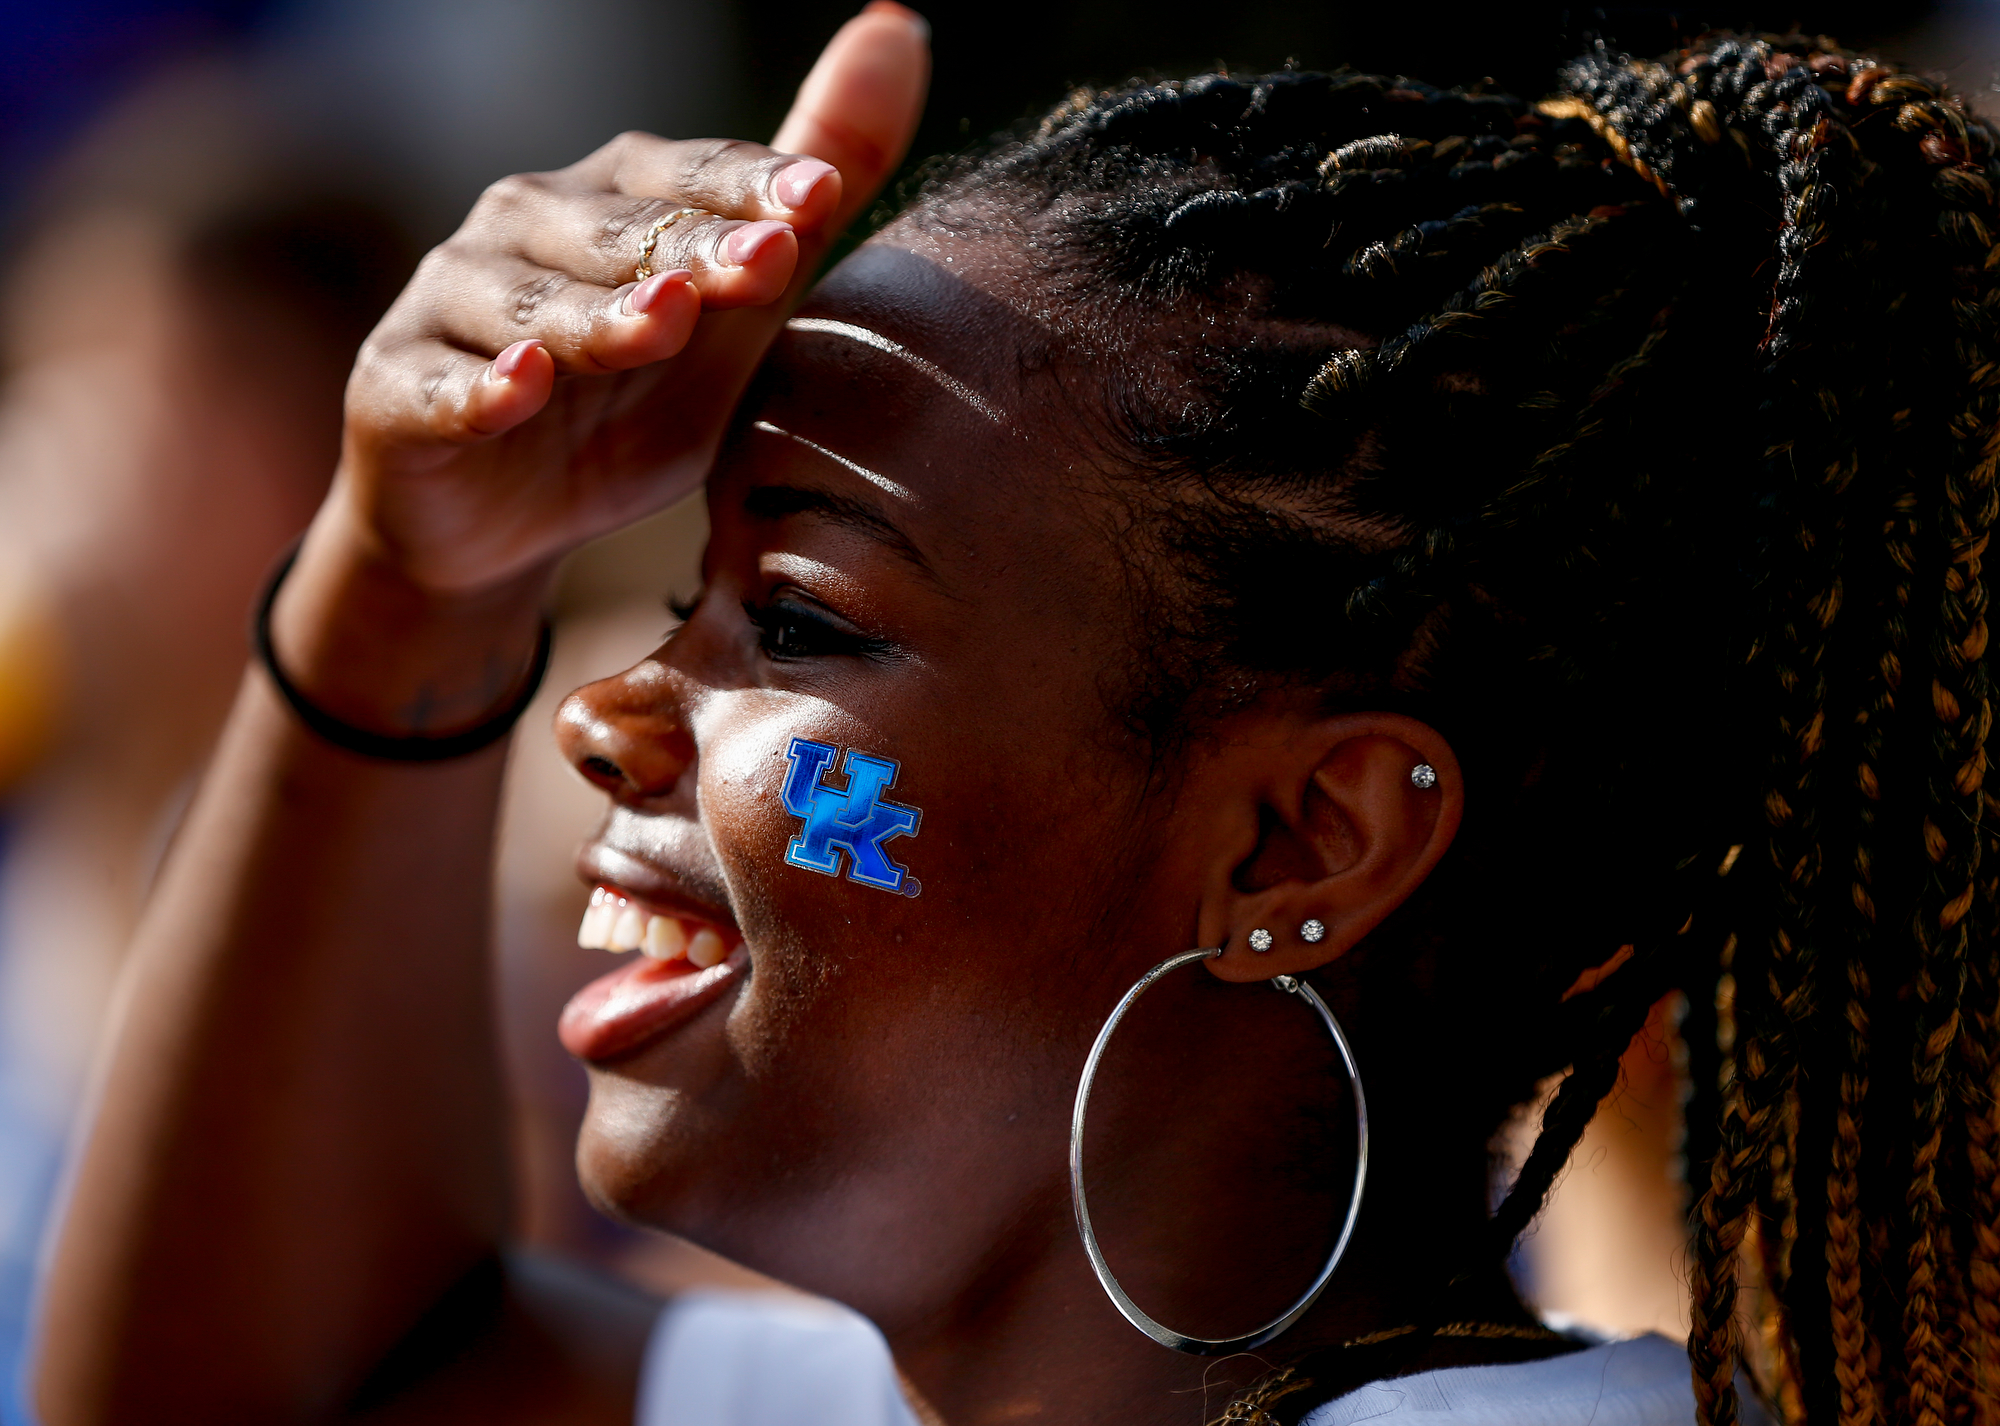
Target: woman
1486, 564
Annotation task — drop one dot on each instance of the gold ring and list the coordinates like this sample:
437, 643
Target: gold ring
660, 225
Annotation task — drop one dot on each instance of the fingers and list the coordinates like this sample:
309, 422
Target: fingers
604, 237
731, 213
587, 329
438, 385
428, 393
483, 302
540, 281
727, 177
511, 388
859, 107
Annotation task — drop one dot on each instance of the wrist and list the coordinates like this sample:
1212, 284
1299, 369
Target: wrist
362, 641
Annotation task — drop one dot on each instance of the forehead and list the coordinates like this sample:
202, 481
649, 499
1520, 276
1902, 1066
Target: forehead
907, 323
904, 381
942, 297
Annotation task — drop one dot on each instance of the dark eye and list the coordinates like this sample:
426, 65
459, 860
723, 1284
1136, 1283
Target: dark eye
788, 630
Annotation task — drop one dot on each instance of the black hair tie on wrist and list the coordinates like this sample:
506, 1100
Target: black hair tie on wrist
414, 748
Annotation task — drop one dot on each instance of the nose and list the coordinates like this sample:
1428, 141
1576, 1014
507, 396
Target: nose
626, 734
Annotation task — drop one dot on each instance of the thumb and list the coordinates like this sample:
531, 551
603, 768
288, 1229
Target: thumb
859, 107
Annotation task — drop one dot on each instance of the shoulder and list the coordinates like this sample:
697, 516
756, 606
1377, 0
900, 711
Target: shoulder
1642, 1381
767, 1359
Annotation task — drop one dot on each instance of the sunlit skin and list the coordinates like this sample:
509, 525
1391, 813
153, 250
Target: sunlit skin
872, 1098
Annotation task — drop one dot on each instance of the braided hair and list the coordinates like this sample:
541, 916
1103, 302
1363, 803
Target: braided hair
1643, 442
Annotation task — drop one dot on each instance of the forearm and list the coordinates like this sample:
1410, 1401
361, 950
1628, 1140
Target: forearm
299, 1141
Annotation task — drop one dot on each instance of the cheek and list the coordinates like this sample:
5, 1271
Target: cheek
807, 927
1017, 861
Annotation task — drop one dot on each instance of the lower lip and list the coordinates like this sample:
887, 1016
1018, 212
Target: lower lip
617, 1013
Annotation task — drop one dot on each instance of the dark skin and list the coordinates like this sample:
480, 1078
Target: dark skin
875, 1105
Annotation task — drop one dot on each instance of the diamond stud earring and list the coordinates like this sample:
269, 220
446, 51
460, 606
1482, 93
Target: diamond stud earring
1260, 940
1313, 932
1424, 776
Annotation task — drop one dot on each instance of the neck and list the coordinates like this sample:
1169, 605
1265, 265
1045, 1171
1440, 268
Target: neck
1210, 1245
1053, 1349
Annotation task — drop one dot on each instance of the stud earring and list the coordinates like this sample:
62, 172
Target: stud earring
1313, 932
1260, 940
1423, 776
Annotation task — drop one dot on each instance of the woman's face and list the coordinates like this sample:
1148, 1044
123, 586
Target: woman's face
905, 565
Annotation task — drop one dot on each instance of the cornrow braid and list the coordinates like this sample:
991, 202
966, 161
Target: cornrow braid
1643, 442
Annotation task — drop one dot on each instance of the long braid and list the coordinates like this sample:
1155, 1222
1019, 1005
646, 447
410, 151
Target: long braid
1924, 1348
1803, 357
1858, 1404
1813, 153
1607, 1025
1981, 1092
1857, 1401
1980, 1085
1754, 1134
1952, 833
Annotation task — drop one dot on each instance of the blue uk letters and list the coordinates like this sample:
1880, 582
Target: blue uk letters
856, 821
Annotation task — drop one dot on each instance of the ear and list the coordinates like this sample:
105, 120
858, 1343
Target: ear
1344, 835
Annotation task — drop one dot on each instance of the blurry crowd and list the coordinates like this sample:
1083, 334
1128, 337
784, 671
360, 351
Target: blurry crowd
205, 208
209, 228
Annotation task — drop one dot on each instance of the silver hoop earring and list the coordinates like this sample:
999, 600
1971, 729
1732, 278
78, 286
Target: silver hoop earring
1166, 1336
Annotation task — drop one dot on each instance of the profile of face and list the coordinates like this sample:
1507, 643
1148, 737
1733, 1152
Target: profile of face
916, 558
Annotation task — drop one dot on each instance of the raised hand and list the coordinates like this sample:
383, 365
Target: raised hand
526, 393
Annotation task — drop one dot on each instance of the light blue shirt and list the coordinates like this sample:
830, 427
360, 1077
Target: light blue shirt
1642, 1381
766, 1359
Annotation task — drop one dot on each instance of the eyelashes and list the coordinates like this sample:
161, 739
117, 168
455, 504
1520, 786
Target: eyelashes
788, 630
792, 629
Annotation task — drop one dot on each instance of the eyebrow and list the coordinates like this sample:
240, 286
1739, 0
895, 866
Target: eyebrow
826, 326
775, 502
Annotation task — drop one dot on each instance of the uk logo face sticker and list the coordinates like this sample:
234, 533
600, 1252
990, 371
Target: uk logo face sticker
855, 821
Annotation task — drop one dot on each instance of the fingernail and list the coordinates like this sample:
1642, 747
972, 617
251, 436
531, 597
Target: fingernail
890, 7
509, 361
795, 181
743, 243
641, 299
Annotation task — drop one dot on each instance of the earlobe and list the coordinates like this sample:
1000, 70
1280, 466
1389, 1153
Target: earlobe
1364, 811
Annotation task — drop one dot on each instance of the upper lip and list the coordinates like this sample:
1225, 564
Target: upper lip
661, 890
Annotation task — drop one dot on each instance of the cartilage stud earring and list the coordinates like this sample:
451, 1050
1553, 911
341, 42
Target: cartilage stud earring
1313, 932
1260, 940
1423, 776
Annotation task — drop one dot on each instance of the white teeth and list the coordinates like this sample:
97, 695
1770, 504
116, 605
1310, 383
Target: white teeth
613, 923
665, 940
705, 949
595, 932
628, 930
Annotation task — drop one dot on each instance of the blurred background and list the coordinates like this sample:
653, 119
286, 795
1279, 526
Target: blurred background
203, 208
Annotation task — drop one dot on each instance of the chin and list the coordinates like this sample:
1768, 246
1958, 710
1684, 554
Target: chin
633, 1160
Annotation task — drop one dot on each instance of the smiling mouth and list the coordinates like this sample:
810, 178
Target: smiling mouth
686, 964
617, 921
